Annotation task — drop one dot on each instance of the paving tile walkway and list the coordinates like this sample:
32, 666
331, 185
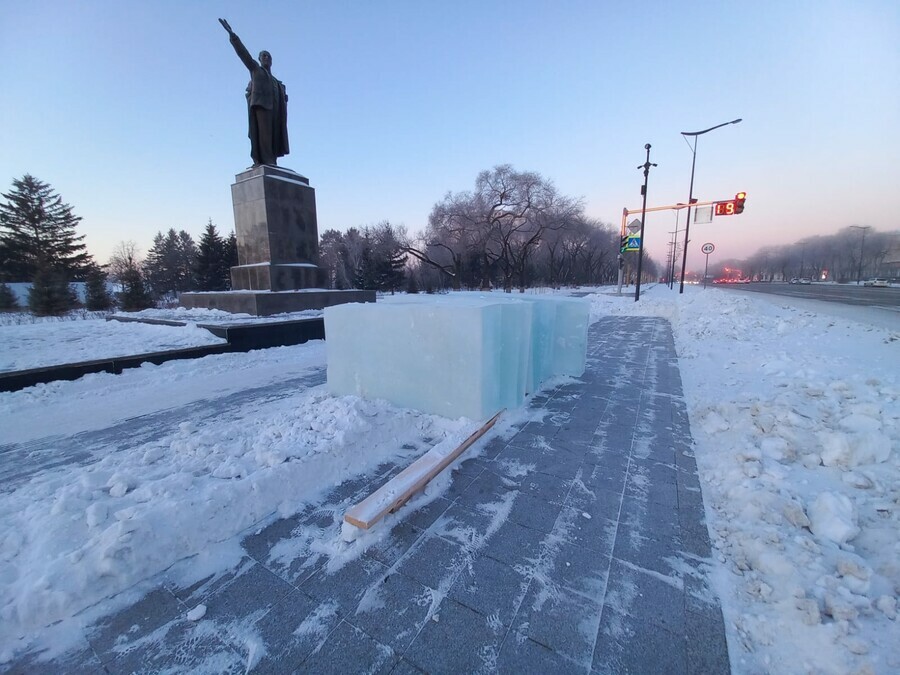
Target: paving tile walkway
578, 545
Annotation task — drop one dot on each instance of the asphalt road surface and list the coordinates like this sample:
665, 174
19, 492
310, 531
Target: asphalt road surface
847, 294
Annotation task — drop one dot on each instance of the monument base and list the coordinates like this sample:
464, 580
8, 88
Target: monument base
272, 277
277, 232
267, 303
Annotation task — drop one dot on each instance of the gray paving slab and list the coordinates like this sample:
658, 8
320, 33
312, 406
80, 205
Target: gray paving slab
576, 545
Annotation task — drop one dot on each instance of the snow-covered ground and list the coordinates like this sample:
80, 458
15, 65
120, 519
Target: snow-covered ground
52, 343
795, 412
31, 342
217, 317
793, 408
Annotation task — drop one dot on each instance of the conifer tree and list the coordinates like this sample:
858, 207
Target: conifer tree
231, 257
37, 233
8, 301
390, 270
366, 277
134, 296
170, 263
97, 295
50, 293
212, 271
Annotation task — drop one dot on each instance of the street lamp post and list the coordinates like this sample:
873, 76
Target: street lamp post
646, 167
864, 228
670, 257
674, 248
687, 225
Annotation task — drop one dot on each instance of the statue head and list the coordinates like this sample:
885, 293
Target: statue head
265, 59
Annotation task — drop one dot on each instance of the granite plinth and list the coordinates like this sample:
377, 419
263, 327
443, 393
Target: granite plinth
276, 228
272, 277
267, 303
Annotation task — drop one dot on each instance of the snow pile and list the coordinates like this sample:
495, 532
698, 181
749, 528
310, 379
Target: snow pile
33, 345
78, 535
796, 419
217, 317
794, 412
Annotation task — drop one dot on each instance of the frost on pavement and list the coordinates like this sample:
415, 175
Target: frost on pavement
796, 420
80, 534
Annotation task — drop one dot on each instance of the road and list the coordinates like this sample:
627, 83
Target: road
847, 294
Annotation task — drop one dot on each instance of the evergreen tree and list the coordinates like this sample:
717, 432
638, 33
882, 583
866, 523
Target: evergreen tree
231, 258
134, 296
366, 277
212, 272
169, 266
390, 270
187, 261
158, 264
8, 301
50, 293
97, 295
37, 232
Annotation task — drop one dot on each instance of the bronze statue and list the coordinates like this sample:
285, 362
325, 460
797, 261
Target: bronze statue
266, 105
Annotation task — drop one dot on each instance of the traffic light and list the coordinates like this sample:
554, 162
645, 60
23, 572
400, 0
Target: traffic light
739, 202
623, 243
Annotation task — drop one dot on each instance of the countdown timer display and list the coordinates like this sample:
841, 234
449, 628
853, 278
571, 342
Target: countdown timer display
726, 208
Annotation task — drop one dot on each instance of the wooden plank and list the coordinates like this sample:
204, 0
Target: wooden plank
398, 490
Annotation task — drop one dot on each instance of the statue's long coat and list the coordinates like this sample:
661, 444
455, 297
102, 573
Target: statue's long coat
264, 91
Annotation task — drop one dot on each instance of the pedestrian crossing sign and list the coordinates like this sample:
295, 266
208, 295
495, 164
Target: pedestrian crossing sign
634, 244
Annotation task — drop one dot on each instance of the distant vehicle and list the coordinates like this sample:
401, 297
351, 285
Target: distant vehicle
795, 280
877, 283
805, 280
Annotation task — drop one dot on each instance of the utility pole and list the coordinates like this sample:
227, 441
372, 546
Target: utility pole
620, 259
862, 242
687, 225
646, 167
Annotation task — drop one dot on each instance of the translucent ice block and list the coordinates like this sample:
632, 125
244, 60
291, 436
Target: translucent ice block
459, 355
569, 341
467, 356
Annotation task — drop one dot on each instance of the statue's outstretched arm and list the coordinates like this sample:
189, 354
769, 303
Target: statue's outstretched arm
239, 47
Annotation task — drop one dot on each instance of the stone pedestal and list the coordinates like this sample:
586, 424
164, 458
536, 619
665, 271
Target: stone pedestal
277, 232
278, 249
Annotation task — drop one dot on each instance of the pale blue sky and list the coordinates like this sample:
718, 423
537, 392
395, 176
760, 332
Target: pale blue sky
134, 111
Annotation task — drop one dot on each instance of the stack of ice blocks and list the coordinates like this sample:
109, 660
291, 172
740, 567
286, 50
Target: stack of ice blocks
466, 355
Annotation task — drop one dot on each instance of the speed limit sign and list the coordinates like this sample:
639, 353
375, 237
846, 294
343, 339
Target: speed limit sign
707, 248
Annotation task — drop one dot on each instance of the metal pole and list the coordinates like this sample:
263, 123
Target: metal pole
687, 225
706, 270
620, 259
646, 167
674, 251
862, 243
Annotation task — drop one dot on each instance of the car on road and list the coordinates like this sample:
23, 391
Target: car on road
805, 280
877, 283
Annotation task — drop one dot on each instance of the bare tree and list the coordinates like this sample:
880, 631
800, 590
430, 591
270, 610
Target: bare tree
451, 236
125, 257
497, 226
